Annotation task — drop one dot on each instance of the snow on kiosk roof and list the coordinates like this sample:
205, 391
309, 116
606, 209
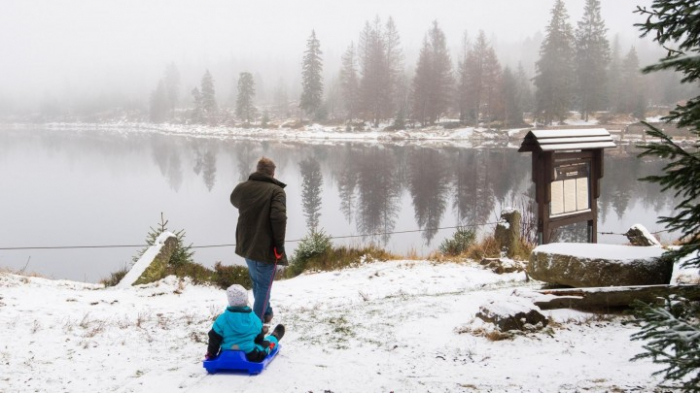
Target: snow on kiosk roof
581, 139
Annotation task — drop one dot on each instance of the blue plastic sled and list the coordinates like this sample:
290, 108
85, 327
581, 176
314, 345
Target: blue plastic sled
236, 361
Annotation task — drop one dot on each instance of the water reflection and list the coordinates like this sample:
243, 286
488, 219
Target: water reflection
311, 191
205, 162
347, 183
428, 184
379, 189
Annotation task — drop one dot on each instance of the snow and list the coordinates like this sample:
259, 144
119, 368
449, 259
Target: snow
601, 251
308, 133
142, 264
405, 326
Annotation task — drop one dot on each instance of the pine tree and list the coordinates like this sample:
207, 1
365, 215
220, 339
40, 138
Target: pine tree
172, 87
462, 94
198, 110
209, 106
245, 109
474, 79
312, 83
375, 81
433, 81
614, 76
592, 58
672, 334
513, 113
492, 89
524, 87
632, 97
159, 103
281, 99
181, 255
394, 65
422, 91
349, 83
555, 69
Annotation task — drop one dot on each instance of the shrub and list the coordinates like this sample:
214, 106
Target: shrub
198, 273
315, 244
459, 243
225, 276
487, 248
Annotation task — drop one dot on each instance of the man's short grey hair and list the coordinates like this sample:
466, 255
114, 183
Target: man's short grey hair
266, 166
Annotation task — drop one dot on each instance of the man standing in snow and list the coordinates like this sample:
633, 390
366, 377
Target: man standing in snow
262, 222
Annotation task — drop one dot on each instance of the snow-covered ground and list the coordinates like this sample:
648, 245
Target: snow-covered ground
402, 326
309, 132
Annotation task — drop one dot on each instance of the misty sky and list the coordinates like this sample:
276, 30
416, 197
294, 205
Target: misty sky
50, 45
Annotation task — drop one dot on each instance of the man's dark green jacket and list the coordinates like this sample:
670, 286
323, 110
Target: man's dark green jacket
262, 217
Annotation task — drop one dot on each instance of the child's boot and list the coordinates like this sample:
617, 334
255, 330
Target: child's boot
278, 332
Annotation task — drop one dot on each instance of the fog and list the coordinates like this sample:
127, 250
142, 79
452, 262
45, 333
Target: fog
81, 48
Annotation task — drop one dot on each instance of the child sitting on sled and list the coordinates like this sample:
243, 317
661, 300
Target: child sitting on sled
239, 329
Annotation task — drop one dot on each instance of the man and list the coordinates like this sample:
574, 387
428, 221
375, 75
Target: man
262, 222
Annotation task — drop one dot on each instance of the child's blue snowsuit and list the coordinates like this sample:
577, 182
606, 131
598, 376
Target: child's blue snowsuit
239, 329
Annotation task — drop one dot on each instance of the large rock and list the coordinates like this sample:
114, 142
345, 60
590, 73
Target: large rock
514, 314
599, 265
153, 263
638, 235
508, 232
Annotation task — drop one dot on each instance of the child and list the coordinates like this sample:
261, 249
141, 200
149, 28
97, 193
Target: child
239, 329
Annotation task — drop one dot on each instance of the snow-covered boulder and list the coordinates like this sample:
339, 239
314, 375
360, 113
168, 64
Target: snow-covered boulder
515, 313
638, 235
599, 265
153, 263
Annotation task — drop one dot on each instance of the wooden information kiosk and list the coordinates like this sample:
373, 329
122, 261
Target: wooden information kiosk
567, 166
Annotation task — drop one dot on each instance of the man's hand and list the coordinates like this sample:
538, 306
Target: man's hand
281, 256
279, 252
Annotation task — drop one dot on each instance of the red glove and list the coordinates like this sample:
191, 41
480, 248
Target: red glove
279, 255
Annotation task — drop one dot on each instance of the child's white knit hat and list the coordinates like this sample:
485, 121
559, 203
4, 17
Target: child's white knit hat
237, 296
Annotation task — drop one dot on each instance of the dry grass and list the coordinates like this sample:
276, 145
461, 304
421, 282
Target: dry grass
114, 277
412, 254
21, 272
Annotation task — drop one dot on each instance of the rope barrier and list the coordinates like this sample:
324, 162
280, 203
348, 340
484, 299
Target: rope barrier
287, 241
233, 244
622, 234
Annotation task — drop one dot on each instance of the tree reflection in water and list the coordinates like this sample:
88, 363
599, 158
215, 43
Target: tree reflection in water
312, 180
379, 190
428, 185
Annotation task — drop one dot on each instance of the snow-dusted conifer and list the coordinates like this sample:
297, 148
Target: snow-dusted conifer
245, 108
555, 68
513, 113
209, 106
172, 87
159, 103
592, 58
433, 82
312, 82
350, 83
671, 335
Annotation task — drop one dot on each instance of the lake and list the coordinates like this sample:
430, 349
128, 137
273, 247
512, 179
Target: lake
96, 188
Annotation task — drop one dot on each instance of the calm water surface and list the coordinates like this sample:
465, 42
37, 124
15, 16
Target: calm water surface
63, 188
